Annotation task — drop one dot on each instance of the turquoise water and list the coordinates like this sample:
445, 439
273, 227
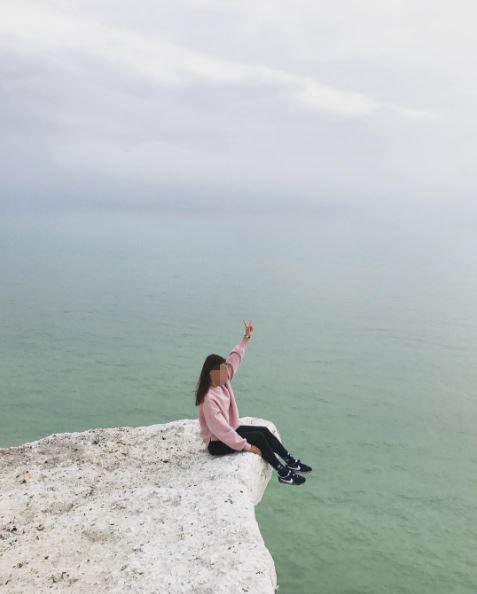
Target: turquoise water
363, 356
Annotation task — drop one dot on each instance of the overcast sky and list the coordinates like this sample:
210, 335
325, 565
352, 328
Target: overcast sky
121, 101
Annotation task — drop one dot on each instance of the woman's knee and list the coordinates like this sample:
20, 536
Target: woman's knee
246, 430
256, 437
254, 434
265, 431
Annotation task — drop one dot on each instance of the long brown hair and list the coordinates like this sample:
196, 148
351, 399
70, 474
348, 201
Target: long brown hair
211, 362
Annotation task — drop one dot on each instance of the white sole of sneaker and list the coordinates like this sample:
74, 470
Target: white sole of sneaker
297, 469
288, 481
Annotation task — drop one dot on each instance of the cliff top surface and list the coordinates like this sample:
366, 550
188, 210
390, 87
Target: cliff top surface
132, 509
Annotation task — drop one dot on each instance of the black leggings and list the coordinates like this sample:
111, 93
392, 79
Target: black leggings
257, 435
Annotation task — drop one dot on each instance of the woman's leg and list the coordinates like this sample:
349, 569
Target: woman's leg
274, 442
219, 448
259, 439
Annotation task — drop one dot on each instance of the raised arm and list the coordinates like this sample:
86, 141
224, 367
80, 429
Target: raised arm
235, 357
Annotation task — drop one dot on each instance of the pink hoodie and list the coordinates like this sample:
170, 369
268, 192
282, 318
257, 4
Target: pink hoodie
218, 413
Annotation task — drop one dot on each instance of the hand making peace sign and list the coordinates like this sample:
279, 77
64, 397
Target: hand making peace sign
248, 328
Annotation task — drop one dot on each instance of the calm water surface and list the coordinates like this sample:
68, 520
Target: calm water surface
363, 356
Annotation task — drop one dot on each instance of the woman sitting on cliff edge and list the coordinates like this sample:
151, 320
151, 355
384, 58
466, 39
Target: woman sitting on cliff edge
219, 417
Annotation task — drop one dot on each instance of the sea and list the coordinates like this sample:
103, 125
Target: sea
363, 356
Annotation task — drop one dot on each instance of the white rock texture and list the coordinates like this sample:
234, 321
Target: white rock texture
132, 509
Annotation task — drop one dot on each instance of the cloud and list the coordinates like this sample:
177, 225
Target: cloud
307, 99
37, 27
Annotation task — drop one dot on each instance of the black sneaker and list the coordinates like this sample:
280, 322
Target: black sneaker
291, 478
299, 466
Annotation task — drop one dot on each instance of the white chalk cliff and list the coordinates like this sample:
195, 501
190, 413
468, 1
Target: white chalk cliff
132, 509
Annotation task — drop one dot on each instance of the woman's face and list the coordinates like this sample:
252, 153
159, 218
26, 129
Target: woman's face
219, 376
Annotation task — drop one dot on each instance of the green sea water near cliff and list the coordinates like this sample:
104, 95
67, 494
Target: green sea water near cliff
363, 355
